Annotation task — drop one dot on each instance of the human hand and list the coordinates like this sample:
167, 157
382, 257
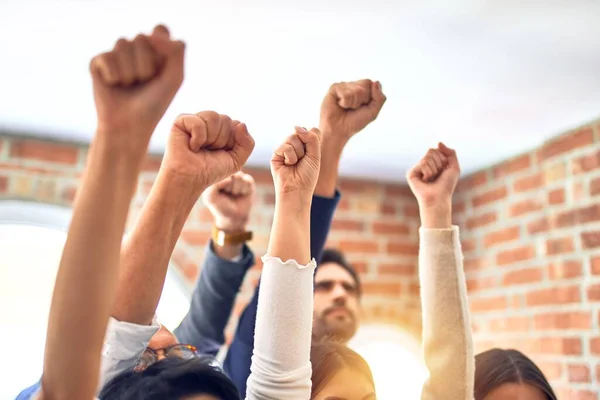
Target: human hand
133, 86
230, 202
295, 164
349, 107
206, 148
433, 181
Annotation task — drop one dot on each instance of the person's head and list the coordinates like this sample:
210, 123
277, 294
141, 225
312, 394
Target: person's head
339, 372
162, 345
509, 375
337, 298
172, 378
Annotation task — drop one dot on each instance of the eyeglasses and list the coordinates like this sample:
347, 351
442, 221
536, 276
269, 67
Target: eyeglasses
150, 356
328, 285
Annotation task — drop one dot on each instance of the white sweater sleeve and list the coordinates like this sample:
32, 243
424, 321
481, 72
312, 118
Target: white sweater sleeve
447, 338
281, 368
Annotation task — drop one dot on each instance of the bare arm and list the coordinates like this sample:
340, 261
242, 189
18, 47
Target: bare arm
86, 280
147, 251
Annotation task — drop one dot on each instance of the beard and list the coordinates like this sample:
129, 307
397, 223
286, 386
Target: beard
334, 328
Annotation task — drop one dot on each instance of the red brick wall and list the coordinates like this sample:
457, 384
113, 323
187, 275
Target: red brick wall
376, 224
531, 233
530, 229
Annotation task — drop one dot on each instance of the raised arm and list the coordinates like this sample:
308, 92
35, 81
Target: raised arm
281, 367
447, 338
347, 108
133, 86
187, 169
224, 267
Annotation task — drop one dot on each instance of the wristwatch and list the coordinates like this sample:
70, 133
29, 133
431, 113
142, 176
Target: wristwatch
222, 238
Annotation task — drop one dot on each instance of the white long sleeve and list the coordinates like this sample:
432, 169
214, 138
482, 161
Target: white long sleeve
447, 338
281, 368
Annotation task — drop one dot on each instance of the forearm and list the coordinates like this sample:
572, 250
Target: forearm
85, 283
290, 234
331, 154
146, 252
447, 338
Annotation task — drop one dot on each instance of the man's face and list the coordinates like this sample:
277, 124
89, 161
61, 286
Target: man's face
336, 305
161, 340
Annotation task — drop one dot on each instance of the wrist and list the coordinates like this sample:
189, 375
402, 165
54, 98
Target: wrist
294, 202
437, 216
230, 227
333, 143
178, 188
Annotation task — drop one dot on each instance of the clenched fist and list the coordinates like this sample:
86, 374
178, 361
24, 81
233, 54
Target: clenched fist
206, 148
295, 164
134, 85
349, 107
230, 202
434, 178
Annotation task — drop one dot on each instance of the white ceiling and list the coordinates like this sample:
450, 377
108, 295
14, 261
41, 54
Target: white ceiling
490, 78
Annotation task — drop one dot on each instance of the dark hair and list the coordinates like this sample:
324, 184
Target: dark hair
328, 358
496, 367
337, 257
171, 378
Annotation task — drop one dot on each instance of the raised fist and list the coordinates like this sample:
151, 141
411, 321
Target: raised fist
206, 148
230, 202
349, 107
134, 85
295, 164
434, 178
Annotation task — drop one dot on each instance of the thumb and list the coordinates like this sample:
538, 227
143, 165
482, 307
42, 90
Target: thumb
170, 52
242, 147
450, 154
311, 140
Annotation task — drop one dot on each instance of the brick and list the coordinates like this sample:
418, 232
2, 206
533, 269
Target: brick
488, 304
501, 236
556, 196
524, 207
22, 186
590, 240
359, 186
512, 166
593, 292
581, 138
565, 270
369, 205
586, 163
3, 184
598, 373
554, 295
196, 238
554, 173
347, 225
523, 276
595, 345
515, 255
68, 194
579, 373
563, 321
578, 192
44, 151
595, 265
360, 266
480, 283
390, 228
528, 183
262, 176
459, 208
411, 211
401, 248
595, 187
468, 245
510, 324
474, 264
581, 395
579, 216
359, 246
393, 190
481, 220
556, 346
538, 226
45, 191
490, 196
473, 181
552, 370
269, 199
560, 246
381, 288
388, 208
397, 269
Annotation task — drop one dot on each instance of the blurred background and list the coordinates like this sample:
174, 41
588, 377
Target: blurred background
514, 86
